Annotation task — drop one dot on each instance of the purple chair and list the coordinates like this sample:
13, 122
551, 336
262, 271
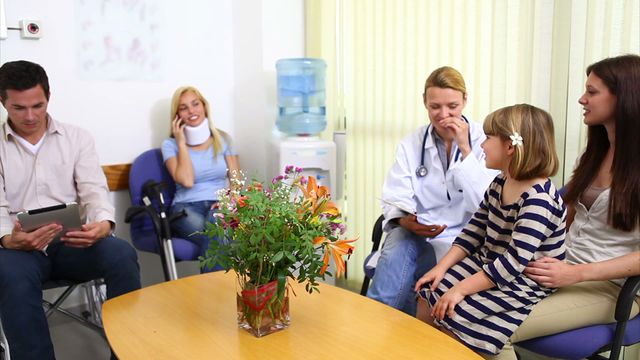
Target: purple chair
588, 342
148, 232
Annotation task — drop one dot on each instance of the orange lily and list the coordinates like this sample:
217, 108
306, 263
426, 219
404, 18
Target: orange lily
336, 250
257, 186
326, 207
242, 201
317, 198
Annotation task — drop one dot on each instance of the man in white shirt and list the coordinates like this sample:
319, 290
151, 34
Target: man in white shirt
43, 163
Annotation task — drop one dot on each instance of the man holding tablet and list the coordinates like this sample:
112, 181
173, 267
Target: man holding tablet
44, 163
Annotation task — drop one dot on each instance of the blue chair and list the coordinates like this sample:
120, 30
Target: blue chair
369, 271
151, 233
588, 342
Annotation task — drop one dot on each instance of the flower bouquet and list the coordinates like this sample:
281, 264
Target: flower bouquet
288, 230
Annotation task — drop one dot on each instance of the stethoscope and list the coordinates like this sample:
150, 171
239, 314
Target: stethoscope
422, 171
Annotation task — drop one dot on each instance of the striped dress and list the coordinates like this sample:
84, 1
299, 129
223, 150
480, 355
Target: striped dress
501, 240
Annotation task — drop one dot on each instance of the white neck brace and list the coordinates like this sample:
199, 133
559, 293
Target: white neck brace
196, 135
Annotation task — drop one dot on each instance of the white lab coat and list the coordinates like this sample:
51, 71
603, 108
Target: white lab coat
465, 182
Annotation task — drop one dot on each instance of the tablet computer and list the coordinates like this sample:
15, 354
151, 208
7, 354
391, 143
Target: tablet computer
67, 215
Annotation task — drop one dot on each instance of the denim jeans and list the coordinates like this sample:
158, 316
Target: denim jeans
404, 258
190, 227
22, 274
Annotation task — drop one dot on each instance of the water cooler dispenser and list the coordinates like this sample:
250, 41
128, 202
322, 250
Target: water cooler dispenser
301, 118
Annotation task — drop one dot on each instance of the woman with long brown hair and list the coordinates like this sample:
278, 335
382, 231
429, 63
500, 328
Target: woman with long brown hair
603, 197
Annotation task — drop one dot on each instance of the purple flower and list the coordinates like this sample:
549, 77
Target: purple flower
299, 169
288, 169
303, 181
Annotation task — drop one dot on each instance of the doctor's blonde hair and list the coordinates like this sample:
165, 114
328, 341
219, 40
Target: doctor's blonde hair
175, 103
536, 157
446, 77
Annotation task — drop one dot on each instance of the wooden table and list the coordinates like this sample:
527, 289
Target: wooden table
195, 318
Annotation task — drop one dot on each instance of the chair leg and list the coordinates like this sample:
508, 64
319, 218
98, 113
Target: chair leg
94, 320
81, 320
96, 296
55, 305
365, 286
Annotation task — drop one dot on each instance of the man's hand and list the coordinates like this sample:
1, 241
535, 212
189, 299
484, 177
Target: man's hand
410, 222
34, 240
88, 236
552, 272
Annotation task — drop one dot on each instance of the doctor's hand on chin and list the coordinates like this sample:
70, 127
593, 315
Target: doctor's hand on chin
410, 222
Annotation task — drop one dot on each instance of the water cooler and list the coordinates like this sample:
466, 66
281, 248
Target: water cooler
301, 118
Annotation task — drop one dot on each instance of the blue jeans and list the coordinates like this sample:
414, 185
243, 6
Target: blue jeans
190, 227
22, 274
404, 258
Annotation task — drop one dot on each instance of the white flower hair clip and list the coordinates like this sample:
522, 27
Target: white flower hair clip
516, 139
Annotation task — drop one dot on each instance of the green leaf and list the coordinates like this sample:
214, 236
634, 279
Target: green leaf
290, 256
277, 257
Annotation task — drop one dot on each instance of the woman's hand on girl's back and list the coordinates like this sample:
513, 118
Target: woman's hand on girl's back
552, 272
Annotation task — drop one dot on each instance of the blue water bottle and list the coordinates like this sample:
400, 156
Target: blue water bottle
301, 96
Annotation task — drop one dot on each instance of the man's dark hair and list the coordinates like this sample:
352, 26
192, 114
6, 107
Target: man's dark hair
22, 75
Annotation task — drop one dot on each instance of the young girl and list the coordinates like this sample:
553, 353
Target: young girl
477, 292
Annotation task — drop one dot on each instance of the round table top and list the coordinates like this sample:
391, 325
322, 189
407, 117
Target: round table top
195, 318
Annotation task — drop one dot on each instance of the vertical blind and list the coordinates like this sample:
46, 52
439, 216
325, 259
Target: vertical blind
379, 53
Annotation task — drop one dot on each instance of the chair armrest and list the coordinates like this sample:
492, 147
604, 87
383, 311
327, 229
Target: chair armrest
135, 211
175, 216
627, 297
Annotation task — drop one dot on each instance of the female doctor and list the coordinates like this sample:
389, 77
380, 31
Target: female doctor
436, 183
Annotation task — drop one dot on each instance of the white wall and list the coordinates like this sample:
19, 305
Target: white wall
226, 48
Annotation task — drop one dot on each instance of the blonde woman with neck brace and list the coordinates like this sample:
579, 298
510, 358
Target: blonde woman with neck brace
200, 159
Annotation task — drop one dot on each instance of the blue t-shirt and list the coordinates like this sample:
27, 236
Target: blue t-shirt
210, 172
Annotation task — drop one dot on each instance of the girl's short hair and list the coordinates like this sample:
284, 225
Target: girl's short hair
536, 157
446, 77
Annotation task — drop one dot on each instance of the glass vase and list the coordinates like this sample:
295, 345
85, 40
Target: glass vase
262, 309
